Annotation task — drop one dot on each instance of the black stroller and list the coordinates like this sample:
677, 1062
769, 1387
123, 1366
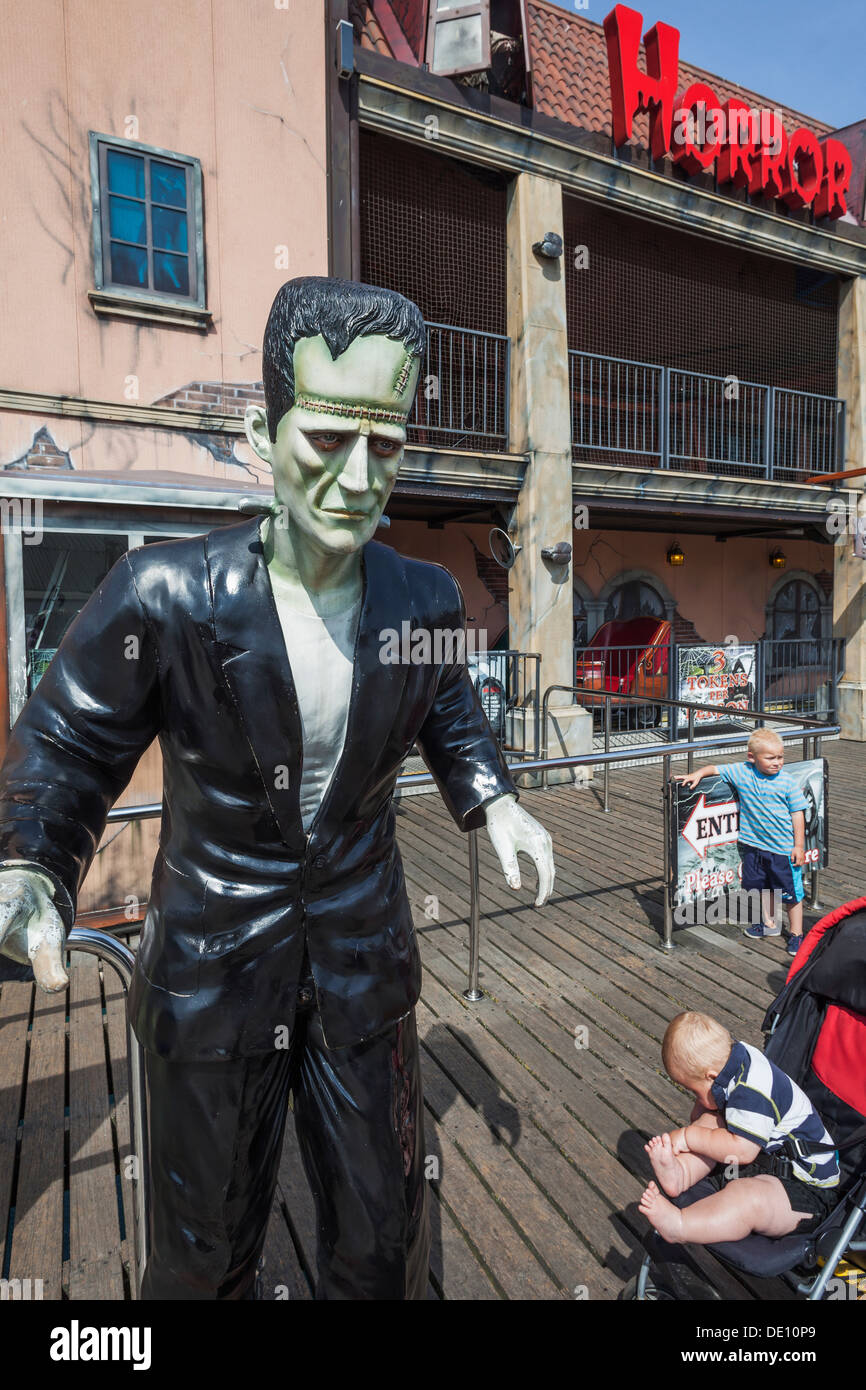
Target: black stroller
815, 1031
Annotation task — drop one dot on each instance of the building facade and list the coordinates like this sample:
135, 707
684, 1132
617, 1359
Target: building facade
637, 348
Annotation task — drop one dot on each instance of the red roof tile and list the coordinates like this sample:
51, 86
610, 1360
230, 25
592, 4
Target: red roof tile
570, 78
367, 28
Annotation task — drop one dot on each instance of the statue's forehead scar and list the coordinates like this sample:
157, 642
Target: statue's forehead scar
354, 412
404, 372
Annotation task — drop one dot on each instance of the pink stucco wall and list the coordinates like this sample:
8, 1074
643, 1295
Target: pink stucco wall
454, 547
721, 588
240, 84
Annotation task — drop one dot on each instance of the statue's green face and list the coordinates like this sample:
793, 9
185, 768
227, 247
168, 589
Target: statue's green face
338, 450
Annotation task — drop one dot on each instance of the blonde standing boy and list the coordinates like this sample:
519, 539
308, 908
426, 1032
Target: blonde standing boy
772, 835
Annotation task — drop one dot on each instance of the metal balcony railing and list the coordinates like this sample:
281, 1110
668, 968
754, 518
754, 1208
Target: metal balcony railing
463, 394
664, 417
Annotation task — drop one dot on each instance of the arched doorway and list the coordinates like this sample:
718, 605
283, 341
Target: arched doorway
800, 664
796, 611
634, 598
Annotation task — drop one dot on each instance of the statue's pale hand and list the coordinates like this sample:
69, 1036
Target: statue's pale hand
31, 928
513, 831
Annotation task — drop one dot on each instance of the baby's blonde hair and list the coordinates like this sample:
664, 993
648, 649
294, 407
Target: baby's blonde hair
764, 738
694, 1044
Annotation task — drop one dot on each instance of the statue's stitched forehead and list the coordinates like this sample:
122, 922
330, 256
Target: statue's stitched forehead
374, 372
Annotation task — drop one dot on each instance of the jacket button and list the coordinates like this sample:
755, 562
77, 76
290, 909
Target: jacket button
305, 995
319, 862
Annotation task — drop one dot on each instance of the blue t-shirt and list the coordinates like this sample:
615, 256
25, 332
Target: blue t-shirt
766, 806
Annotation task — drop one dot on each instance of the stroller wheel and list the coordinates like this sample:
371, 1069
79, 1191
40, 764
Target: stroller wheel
652, 1293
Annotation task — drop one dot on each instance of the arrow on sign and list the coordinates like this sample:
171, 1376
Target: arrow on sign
716, 824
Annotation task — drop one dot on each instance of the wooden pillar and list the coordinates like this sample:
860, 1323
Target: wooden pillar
540, 593
344, 249
849, 579
4, 654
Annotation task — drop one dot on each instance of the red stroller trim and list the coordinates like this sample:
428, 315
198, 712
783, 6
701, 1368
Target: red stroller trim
814, 936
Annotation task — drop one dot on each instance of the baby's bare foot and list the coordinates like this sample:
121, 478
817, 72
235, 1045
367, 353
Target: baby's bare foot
666, 1165
667, 1219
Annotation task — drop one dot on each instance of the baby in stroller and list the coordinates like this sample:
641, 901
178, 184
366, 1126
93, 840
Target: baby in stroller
748, 1117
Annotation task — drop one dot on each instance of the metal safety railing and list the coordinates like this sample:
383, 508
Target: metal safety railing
791, 675
463, 393
508, 685
105, 945
809, 730
697, 422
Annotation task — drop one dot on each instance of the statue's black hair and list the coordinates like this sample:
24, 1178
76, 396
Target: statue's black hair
340, 310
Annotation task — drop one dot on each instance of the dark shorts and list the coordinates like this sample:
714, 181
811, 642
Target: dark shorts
803, 1196
774, 872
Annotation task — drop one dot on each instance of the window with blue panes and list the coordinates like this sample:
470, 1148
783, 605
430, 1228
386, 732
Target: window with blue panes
148, 213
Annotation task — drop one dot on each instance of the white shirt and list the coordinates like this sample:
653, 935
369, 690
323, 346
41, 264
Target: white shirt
320, 641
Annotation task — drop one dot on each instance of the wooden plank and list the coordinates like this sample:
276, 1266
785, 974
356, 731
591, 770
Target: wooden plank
297, 1199
547, 1236
626, 968
115, 1020
95, 1267
16, 999
283, 1277
511, 1265
37, 1239
560, 1186
454, 1266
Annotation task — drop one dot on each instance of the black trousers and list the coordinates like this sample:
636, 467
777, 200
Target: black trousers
215, 1141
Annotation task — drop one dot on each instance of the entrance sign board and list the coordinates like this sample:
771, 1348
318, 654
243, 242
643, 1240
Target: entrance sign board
703, 833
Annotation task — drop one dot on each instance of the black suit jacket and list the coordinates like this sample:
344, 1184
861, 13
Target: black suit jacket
182, 642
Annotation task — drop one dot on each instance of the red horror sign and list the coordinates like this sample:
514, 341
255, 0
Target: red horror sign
750, 148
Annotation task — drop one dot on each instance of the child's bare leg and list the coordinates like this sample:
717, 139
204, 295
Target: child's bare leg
795, 918
769, 908
678, 1172
748, 1204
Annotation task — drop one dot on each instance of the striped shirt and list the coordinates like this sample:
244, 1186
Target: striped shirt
760, 1102
766, 806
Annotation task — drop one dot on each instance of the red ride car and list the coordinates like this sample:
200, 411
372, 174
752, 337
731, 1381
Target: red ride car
628, 657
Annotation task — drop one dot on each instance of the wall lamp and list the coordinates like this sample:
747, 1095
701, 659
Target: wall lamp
550, 246
778, 560
676, 554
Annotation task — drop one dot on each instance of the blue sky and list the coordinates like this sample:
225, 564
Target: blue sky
808, 54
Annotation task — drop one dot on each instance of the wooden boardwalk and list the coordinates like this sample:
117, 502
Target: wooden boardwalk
538, 1099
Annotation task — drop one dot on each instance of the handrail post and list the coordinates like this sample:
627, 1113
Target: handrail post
473, 993
813, 876
537, 705
673, 686
691, 757
607, 719
769, 424
668, 934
